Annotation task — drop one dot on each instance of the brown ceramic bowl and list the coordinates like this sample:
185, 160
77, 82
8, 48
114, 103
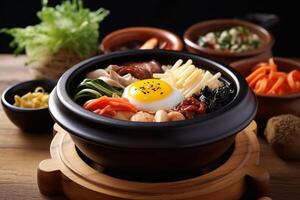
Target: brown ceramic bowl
139, 35
270, 105
192, 34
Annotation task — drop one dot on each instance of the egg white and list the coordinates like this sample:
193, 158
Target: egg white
169, 102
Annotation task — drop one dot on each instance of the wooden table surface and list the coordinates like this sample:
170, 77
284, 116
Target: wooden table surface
21, 152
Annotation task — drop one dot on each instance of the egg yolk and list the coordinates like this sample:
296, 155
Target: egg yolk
149, 90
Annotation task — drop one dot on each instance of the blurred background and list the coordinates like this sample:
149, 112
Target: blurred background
175, 15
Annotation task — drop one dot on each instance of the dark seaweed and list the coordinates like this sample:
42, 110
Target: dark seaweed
216, 98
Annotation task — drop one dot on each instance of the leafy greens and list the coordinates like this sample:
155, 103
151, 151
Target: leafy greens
69, 27
95, 88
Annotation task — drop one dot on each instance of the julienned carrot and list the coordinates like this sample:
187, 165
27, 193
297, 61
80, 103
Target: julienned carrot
108, 111
292, 79
102, 102
266, 79
96, 103
257, 78
122, 106
261, 70
108, 106
262, 85
284, 89
277, 84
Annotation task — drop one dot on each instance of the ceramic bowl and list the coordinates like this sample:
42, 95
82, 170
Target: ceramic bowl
271, 105
192, 34
130, 35
28, 119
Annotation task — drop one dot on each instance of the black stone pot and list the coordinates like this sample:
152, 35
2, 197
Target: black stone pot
161, 150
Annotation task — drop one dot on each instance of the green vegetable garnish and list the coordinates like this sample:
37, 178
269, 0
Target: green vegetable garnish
235, 39
69, 27
95, 88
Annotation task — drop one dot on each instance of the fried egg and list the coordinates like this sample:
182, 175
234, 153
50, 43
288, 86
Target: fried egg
152, 95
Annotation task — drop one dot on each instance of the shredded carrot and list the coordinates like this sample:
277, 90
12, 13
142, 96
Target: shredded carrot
262, 86
255, 73
255, 79
266, 79
292, 78
277, 84
96, 103
108, 106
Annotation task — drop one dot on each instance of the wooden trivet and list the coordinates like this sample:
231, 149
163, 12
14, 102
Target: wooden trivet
66, 173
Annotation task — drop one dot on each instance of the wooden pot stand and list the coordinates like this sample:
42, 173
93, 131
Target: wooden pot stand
66, 173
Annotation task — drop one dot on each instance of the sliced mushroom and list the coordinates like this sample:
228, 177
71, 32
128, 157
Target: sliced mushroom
97, 73
111, 82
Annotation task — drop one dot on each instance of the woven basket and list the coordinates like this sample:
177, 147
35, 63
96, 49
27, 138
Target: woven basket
55, 65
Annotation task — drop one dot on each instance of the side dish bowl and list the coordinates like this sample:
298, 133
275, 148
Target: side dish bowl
163, 149
272, 105
142, 34
192, 34
28, 119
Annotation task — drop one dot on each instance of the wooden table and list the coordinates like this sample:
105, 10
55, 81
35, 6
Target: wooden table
21, 152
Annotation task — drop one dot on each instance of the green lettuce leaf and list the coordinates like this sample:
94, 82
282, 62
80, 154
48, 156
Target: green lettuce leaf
69, 27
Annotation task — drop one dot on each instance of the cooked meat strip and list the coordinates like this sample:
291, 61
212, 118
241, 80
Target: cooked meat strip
140, 70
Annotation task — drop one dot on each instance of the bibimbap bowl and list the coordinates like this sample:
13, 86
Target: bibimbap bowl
152, 149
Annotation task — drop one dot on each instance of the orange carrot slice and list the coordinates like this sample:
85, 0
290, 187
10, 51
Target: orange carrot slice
277, 84
262, 86
292, 78
255, 73
97, 103
266, 79
119, 106
108, 106
108, 111
255, 79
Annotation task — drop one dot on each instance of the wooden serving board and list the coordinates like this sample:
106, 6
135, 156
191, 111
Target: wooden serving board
66, 173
